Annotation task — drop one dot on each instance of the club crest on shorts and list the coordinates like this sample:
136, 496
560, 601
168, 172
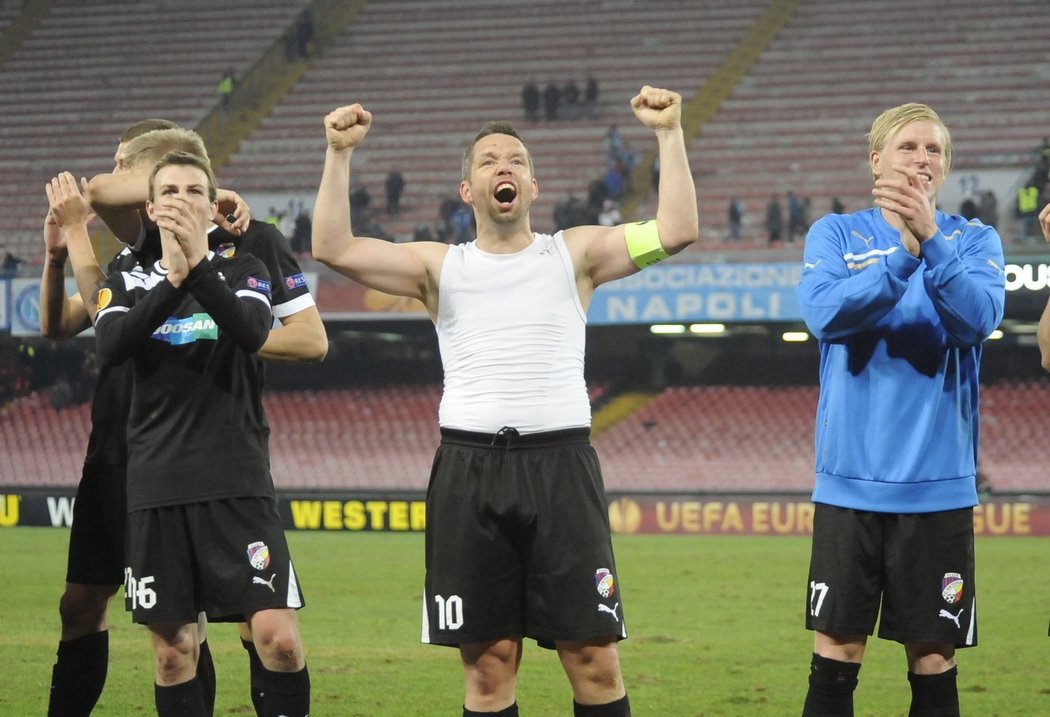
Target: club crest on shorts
259, 555
952, 588
604, 582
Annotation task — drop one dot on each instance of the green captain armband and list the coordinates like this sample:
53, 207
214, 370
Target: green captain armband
643, 243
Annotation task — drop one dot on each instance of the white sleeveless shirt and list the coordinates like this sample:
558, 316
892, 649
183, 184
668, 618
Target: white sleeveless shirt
511, 331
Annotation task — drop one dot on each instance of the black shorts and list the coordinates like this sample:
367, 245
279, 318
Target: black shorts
518, 542
920, 565
96, 539
226, 558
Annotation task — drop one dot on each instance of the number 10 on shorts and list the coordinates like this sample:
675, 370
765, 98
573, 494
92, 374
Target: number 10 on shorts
449, 612
817, 593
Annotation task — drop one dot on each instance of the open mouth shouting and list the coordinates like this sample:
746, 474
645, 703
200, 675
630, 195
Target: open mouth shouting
505, 194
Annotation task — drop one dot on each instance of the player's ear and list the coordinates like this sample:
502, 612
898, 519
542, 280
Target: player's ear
464, 193
875, 161
535, 189
151, 211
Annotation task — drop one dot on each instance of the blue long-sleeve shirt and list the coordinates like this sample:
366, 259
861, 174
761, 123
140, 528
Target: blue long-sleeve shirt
900, 352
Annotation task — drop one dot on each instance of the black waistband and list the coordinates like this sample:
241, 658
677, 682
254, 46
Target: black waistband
508, 438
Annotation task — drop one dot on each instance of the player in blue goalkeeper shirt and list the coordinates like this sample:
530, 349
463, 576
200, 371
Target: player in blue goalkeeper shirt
901, 298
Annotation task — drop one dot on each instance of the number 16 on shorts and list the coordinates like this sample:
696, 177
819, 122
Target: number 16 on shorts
137, 591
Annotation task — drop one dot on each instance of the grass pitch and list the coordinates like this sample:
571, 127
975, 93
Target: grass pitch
715, 624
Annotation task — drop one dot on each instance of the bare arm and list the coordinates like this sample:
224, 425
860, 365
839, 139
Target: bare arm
400, 269
117, 197
69, 213
61, 316
301, 337
677, 218
1043, 332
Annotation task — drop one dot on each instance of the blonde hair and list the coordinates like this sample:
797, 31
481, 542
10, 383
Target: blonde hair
143, 126
149, 148
887, 124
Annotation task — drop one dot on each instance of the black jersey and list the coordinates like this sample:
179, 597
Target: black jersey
265, 241
196, 430
107, 443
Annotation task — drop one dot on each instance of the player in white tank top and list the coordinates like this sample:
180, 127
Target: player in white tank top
510, 310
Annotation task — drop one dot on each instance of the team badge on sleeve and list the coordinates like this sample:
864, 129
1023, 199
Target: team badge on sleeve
259, 555
105, 296
952, 588
604, 582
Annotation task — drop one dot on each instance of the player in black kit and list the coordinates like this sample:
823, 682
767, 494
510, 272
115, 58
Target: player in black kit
203, 531
96, 548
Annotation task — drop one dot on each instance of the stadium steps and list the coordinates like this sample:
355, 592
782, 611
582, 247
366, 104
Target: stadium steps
707, 101
612, 410
268, 80
16, 25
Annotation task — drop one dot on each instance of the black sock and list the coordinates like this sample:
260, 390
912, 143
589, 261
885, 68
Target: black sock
79, 675
511, 711
182, 700
831, 685
206, 676
616, 708
287, 693
257, 676
934, 695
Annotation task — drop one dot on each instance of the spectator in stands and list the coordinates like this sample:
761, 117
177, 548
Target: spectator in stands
590, 97
304, 32
570, 100
968, 209
226, 87
614, 180
300, 240
551, 101
96, 543
422, 232
837, 207
797, 222
359, 200
199, 489
10, 266
616, 149
774, 219
530, 100
395, 186
988, 208
736, 218
901, 298
1027, 209
504, 309
274, 217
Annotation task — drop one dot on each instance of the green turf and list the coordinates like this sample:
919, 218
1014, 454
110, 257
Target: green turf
715, 625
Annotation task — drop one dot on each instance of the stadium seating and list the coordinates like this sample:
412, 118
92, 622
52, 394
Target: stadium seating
88, 71
798, 120
688, 439
399, 71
